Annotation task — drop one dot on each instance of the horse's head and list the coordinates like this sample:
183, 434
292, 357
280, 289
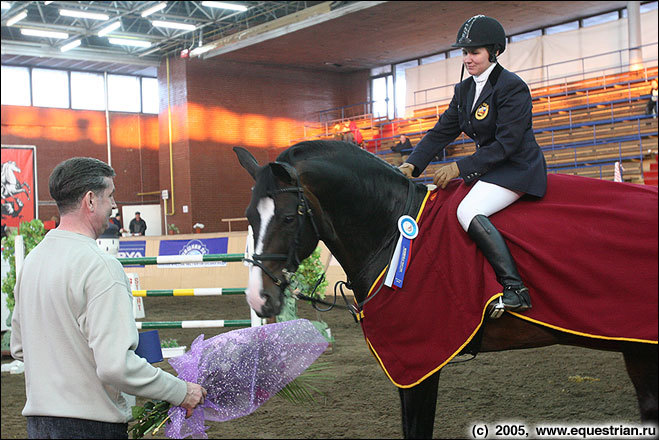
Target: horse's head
283, 228
8, 170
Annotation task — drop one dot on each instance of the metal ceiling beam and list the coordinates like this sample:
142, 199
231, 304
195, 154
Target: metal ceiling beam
285, 25
210, 23
26, 49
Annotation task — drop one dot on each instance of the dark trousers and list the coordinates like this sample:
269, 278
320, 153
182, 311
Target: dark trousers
651, 107
66, 427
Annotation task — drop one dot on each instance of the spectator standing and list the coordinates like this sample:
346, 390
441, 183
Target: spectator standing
347, 133
73, 321
116, 220
137, 225
112, 230
338, 132
357, 137
651, 107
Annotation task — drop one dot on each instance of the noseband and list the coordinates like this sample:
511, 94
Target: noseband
292, 259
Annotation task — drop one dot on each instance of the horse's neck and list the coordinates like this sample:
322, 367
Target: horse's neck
363, 246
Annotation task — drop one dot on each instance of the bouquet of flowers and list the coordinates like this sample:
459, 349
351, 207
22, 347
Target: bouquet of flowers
240, 370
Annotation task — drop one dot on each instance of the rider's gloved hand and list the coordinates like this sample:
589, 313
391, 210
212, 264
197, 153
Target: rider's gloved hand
445, 174
407, 169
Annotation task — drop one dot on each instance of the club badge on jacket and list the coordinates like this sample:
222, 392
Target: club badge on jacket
481, 111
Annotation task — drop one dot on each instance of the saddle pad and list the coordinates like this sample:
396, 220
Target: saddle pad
587, 251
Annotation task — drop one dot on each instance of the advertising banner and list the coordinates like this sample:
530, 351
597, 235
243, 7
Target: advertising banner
19, 184
194, 247
132, 249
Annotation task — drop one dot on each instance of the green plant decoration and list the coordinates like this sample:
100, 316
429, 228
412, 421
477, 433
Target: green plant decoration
309, 280
172, 227
33, 232
169, 343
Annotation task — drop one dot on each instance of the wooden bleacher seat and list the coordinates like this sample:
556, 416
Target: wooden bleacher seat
583, 127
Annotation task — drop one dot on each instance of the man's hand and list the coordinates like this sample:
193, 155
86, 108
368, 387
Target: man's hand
445, 174
407, 169
195, 396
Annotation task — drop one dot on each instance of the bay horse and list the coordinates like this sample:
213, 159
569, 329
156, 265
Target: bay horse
351, 200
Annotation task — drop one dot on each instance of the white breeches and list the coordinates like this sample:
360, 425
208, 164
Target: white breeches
485, 199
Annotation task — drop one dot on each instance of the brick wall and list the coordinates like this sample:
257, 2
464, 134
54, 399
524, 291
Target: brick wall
261, 108
60, 134
215, 106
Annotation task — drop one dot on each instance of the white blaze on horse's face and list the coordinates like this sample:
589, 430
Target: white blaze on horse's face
266, 210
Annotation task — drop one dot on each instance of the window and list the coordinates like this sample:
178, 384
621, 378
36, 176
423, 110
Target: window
50, 88
400, 85
150, 99
15, 85
602, 18
526, 35
649, 6
455, 53
87, 91
573, 25
433, 58
382, 95
124, 93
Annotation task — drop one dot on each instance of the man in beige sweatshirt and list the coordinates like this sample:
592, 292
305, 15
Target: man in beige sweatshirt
73, 324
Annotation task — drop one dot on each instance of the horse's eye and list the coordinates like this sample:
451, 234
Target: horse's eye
289, 219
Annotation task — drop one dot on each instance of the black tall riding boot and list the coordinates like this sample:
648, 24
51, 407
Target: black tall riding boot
491, 243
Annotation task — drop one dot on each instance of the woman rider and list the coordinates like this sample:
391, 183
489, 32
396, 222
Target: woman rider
492, 107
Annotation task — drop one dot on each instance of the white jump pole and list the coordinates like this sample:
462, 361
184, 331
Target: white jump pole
19, 254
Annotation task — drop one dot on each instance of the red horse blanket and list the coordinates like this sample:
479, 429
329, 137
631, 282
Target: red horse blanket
587, 252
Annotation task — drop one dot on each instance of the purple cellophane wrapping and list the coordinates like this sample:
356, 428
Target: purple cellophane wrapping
241, 370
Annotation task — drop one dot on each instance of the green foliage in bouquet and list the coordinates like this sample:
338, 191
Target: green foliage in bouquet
33, 232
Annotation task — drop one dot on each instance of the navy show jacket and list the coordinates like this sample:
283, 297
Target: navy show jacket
507, 153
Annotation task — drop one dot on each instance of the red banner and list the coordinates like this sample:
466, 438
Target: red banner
19, 192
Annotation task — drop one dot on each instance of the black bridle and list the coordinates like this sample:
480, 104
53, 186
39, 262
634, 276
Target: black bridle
292, 259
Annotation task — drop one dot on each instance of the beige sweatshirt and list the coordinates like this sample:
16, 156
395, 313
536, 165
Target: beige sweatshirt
73, 327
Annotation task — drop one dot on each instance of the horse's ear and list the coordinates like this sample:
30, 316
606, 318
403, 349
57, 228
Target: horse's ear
247, 160
284, 172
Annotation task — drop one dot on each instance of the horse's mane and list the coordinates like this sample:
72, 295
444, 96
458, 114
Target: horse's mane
348, 179
341, 153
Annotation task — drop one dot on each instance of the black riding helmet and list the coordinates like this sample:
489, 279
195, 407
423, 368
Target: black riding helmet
482, 31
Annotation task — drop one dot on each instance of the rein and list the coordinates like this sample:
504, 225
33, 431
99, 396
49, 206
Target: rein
355, 309
293, 261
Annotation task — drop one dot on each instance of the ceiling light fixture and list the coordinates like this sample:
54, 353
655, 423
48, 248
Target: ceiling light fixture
72, 45
16, 18
174, 25
109, 28
153, 9
6, 5
47, 3
129, 42
223, 5
83, 14
43, 33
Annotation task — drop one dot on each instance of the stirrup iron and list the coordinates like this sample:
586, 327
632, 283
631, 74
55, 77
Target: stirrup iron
497, 308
